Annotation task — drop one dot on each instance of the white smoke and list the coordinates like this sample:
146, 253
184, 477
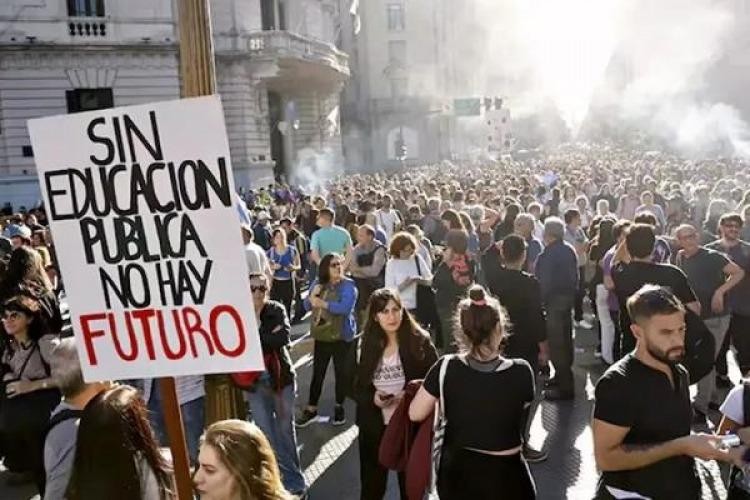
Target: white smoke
655, 66
315, 168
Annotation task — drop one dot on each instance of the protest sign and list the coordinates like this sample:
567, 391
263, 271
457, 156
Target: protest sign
140, 201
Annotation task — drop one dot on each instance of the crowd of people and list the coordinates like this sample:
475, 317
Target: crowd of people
448, 297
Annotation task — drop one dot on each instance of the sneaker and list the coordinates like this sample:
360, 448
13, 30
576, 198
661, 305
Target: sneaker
338, 415
307, 417
534, 456
584, 324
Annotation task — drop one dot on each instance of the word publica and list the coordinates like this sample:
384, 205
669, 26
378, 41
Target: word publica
136, 238
151, 334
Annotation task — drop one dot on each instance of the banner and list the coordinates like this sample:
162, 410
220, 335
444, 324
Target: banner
141, 204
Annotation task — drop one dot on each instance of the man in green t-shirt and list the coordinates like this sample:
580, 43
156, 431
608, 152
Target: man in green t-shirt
330, 238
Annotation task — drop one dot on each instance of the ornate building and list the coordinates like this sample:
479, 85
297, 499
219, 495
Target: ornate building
278, 73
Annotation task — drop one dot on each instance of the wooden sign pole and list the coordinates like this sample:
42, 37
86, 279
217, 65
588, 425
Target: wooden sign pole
198, 78
176, 433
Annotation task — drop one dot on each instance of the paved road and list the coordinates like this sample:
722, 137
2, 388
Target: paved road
330, 456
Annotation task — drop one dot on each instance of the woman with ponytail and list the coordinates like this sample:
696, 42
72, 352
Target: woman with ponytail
486, 399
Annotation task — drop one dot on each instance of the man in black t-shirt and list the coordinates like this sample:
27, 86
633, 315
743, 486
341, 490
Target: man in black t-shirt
642, 413
739, 297
633, 268
712, 275
519, 293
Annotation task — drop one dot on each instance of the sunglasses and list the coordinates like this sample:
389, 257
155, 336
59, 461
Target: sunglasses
335, 264
258, 288
11, 315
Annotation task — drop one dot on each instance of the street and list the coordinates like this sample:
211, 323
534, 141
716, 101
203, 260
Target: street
330, 459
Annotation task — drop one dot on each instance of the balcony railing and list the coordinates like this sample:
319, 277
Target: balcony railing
87, 27
279, 44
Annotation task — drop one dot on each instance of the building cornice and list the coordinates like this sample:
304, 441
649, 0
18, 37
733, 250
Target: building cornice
65, 56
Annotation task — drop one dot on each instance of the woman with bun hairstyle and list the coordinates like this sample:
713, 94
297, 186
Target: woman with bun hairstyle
486, 404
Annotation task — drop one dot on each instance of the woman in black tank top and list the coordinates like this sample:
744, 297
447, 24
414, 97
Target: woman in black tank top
486, 400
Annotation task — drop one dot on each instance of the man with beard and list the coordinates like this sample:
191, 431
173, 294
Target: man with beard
739, 297
642, 412
712, 275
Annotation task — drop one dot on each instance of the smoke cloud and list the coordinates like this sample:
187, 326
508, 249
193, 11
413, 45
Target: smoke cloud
314, 168
614, 66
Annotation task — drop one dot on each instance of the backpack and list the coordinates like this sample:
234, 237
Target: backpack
325, 326
246, 380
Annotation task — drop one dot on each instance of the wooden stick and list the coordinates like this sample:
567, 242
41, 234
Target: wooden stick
176, 433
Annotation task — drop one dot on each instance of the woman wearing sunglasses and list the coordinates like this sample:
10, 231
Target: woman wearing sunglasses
271, 397
29, 394
332, 299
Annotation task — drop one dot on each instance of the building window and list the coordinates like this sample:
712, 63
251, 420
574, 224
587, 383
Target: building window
397, 52
27, 152
86, 8
399, 87
88, 99
273, 15
395, 17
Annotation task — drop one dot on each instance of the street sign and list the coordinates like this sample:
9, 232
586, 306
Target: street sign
467, 107
141, 207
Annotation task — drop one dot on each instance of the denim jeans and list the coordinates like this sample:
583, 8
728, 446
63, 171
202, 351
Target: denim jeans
193, 420
273, 412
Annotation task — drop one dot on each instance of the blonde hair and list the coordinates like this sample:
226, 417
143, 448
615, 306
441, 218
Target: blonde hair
245, 451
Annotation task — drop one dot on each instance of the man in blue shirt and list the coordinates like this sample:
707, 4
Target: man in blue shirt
557, 271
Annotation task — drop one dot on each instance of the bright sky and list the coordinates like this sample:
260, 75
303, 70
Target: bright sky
569, 45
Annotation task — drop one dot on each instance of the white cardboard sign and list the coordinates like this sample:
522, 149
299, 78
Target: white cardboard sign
141, 207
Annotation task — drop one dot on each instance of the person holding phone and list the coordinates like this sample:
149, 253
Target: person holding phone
395, 350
